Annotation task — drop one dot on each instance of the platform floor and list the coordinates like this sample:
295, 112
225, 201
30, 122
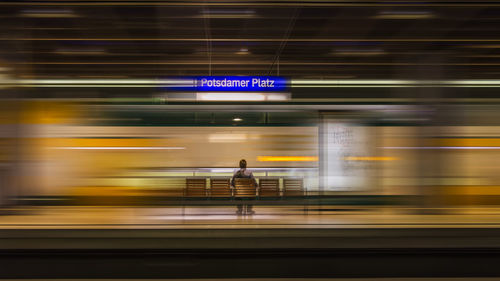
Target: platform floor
265, 217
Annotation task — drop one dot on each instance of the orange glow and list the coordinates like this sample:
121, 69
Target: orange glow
287, 158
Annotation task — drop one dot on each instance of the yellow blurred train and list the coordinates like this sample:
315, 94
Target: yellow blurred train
75, 149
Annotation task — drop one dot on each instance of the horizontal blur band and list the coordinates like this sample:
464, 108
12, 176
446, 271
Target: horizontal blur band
370, 158
116, 148
287, 158
445, 147
294, 83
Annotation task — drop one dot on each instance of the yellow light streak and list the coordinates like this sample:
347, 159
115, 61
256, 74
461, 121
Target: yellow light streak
287, 158
470, 142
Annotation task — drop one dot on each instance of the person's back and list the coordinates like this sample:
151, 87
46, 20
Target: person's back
244, 173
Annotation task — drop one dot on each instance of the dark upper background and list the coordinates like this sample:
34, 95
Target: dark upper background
300, 39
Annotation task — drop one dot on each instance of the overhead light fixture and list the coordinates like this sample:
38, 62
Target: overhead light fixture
231, 96
243, 51
238, 96
237, 119
227, 138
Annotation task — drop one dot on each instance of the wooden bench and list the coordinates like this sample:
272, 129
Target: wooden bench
269, 187
220, 187
196, 187
293, 187
244, 187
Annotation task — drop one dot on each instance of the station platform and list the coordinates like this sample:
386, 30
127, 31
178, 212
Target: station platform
280, 227
264, 217
276, 242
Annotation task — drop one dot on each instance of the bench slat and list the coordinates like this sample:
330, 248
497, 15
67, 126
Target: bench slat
196, 187
220, 187
293, 187
269, 187
244, 187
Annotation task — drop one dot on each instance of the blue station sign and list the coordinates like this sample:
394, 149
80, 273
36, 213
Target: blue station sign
232, 84
241, 83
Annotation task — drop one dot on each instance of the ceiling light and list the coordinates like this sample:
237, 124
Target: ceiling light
239, 96
227, 138
237, 119
230, 96
243, 51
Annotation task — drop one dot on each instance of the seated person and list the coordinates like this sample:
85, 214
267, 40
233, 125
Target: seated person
244, 173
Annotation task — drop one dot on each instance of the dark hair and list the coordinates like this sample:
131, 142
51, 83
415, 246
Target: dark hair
243, 163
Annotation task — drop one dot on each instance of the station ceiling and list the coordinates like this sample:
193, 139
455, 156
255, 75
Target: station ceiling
300, 39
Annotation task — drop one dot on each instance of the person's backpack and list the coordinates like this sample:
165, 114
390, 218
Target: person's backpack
241, 174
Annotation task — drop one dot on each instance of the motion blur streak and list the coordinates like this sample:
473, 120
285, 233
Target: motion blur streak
286, 158
108, 147
369, 130
371, 158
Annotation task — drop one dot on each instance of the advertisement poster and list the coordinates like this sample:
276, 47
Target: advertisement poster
343, 143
